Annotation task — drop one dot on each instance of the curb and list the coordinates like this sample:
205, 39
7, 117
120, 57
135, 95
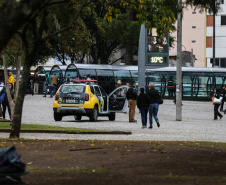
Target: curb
68, 132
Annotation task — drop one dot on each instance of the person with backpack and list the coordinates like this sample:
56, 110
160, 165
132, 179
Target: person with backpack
48, 85
4, 99
217, 94
223, 94
154, 104
170, 87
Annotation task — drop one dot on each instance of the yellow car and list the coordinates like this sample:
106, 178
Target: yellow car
88, 100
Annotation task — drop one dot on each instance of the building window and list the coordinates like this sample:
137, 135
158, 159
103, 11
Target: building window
223, 20
221, 1
193, 27
193, 41
193, 12
221, 62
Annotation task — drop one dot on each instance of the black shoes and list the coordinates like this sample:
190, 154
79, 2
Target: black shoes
158, 124
134, 121
150, 127
44, 96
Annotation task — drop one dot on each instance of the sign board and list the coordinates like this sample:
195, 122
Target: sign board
157, 49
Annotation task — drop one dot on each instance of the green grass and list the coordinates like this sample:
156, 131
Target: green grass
6, 125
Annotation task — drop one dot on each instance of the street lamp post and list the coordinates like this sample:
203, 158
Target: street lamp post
179, 73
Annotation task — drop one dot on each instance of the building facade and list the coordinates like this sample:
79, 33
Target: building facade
220, 37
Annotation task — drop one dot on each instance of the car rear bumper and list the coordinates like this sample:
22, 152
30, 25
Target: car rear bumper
74, 110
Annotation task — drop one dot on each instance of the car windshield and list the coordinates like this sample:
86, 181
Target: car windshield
72, 89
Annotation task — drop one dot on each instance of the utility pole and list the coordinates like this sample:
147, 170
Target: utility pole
179, 73
214, 60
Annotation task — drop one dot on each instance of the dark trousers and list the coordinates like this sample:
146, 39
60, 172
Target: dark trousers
144, 115
55, 89
4, 105
216, 112
222, 105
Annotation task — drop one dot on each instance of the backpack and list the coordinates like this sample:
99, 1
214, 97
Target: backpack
170, 83
3, 96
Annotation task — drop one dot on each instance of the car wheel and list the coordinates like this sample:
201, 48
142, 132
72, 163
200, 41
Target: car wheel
78, 117
94, 115
57, 116
112, 116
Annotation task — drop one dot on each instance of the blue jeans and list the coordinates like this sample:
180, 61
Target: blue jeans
153, 111
50, 90
144, 115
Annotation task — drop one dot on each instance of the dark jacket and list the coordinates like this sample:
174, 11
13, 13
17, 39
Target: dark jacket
153, 94
143, 101
223, 93
6, 98
131, 94
36, 78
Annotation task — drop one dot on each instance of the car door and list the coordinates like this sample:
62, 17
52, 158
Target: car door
117, 101
99, 97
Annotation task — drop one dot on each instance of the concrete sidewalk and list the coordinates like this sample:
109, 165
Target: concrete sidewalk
197, 123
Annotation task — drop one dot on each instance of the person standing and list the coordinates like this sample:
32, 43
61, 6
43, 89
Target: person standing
54, 83
143, 104
223, 94
68, 79
11, 78
154, 106
5, 102
48, 85
88, 77
131, 96
171, 87
29, 85
36, 82
217, 94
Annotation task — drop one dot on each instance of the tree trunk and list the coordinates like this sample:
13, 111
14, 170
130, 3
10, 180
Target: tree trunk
16, 120
129, 45
10, 100
18, 69
13, 14
129, 54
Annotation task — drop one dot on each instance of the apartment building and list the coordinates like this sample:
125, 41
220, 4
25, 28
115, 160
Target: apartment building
193, 37
197, 37
220, 37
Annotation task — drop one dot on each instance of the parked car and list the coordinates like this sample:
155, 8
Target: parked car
88, 99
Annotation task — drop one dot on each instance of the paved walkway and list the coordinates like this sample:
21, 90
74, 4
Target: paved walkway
197, 123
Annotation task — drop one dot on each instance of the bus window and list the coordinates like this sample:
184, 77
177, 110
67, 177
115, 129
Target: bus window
122, 75
105, 79
85, 72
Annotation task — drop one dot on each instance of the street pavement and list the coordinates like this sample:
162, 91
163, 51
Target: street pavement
197, 123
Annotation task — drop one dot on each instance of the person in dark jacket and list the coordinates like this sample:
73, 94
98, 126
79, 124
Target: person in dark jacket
36, 80
223, 94
143, 104
68, 79
154, 106
217, 94
131, 96
5, 102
